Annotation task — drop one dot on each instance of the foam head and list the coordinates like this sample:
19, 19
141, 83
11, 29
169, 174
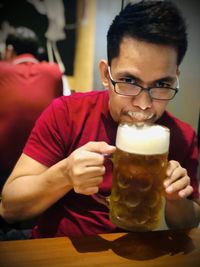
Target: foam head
146, 139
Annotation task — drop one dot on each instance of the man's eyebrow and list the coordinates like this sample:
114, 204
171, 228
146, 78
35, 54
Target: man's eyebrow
133, 76
167, 78
129, 75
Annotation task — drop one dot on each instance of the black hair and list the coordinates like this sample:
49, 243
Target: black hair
23, 40
158, 22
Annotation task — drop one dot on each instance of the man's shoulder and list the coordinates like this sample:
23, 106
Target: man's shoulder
176, 125
87, 97
82, 99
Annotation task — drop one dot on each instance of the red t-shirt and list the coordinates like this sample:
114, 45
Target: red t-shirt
26, 88
72, 121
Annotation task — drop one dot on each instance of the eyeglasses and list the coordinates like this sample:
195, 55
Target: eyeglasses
133, 89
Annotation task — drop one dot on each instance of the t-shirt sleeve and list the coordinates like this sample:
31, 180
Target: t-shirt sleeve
45, 143
191, 164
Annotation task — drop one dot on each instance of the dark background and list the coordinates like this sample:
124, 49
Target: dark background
22, 13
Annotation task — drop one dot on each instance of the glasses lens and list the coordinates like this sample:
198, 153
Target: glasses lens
162, 93
127, 89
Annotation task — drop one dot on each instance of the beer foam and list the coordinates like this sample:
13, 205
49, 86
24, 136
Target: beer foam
146, 139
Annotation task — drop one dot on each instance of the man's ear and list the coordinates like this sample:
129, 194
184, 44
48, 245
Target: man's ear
103, 68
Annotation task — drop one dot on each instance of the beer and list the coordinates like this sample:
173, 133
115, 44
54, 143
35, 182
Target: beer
140, 163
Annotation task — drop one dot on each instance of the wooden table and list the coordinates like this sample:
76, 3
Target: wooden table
179, 248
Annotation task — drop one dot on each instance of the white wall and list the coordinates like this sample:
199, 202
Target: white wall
186, 105
106, 11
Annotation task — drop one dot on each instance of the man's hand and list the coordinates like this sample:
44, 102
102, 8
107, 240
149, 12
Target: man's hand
177, 184
85, 167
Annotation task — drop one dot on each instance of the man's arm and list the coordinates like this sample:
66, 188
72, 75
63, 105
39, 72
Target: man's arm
180, 212
32, 187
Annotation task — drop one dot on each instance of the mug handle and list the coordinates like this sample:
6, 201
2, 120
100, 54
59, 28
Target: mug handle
98, 197
102, 199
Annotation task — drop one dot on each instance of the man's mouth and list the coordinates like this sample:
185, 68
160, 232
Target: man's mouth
138, 116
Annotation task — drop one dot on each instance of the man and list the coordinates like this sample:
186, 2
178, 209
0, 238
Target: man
63, 164
27, 86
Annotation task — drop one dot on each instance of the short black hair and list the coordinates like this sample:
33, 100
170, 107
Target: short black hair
24, 40
152, 21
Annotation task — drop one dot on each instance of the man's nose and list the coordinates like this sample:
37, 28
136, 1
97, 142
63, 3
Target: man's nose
143, 100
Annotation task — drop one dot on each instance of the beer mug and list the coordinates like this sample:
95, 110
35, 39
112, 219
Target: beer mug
139, 169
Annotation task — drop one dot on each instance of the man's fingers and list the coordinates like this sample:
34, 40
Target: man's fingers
91, 186
174, 172
172, 166
100, 147
186, 191
179, 184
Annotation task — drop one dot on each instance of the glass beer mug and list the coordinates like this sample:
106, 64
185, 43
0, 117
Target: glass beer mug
139, 169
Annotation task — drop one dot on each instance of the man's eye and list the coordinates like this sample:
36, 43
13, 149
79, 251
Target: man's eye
127, 80
163, 84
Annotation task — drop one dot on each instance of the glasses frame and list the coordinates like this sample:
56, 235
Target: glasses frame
148, 89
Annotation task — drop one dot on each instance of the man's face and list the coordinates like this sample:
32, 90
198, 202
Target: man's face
148, 65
